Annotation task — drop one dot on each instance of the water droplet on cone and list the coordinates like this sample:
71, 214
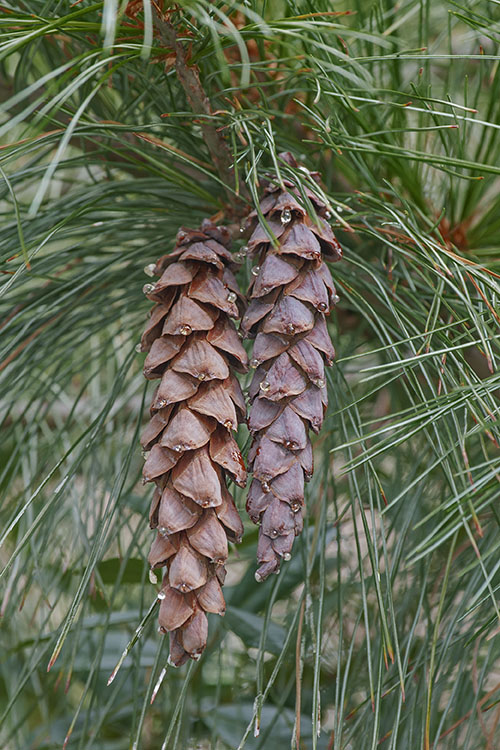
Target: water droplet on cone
149, 270
152, 577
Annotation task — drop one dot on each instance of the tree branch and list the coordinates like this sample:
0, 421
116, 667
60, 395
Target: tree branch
200, 104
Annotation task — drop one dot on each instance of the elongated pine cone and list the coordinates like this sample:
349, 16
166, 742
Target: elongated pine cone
292, 292
193, 345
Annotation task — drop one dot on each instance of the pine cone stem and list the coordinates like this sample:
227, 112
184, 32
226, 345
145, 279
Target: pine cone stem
200, 104
291, 294
193, 347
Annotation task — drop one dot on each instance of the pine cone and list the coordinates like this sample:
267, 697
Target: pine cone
292, 292
193, 346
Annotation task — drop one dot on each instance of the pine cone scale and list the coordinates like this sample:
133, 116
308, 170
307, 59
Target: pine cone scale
210, 597
214, 401
176, 513
174, 387
174, 609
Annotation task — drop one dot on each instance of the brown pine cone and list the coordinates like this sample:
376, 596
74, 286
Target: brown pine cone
193, 346
292, 292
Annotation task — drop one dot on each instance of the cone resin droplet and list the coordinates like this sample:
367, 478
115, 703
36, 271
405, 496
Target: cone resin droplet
292, 292
192, 346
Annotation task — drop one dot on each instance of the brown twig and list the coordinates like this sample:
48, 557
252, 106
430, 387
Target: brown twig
200, 104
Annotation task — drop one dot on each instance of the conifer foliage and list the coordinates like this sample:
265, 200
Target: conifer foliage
193, 347
291, 294
123, 121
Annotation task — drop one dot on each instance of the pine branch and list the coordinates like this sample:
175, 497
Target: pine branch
200, 104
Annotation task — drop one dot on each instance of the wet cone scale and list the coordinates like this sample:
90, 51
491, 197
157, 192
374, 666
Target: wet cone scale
193, 348
291, 294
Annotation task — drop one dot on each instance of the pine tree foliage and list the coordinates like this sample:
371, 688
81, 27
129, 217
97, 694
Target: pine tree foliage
383, 629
